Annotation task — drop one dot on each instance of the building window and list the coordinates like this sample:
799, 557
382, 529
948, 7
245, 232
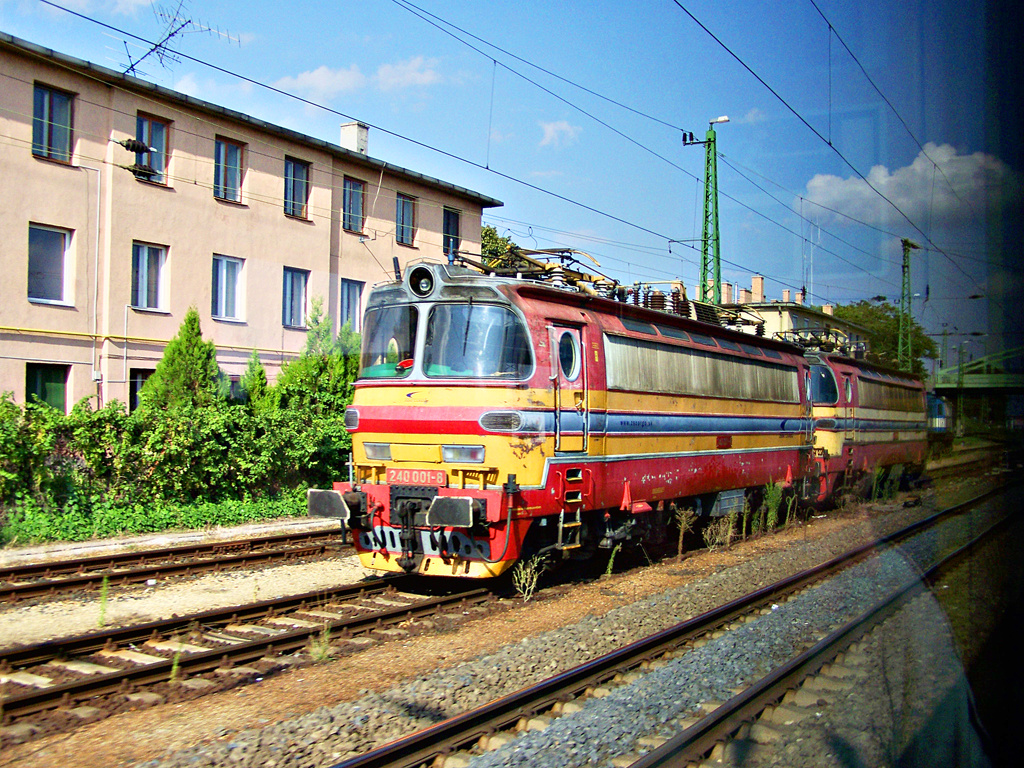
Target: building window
226, 286
47, 382
294, 312
451, 241
153, 133
296, 187
227, 170
136, 378
351, 291
352, 205
47, 263
404, 219
149, 285
51, 124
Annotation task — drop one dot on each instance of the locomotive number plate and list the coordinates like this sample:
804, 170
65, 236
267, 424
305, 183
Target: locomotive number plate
398, 476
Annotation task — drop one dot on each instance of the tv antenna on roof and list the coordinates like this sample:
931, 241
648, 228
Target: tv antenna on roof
177, 22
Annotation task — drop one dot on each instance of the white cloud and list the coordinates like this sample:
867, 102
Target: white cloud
417, 71
559, 133
323, 83
975, 183
128, 7
755, 115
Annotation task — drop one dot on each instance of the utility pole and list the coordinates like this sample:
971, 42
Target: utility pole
904, 353
710, 287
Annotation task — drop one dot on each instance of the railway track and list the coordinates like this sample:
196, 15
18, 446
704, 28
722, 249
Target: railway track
40, 580
455, 741
232, 643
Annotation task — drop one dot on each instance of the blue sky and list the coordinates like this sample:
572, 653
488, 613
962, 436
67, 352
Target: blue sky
621, 183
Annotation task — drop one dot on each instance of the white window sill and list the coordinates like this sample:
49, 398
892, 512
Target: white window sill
151, 310
51, 302
234, 320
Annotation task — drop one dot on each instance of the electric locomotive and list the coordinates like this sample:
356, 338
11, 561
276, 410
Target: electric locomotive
530, 409
867, 420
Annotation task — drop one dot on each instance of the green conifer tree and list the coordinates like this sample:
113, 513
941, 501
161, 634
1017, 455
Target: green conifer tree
187, 374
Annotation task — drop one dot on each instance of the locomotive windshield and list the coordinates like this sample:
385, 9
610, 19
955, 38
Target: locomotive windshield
823, 386
389, 337
476, 340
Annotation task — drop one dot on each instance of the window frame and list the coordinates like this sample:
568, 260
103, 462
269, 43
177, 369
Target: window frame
451, 241
290, 276
222, 184
348, 312
156, 159
353, 189
44, 127
219, 288
296, 202
140, 277
65, 282
39, 368
405, 208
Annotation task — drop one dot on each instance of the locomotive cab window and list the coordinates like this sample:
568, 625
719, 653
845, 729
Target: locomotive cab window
476, 341
823, 386
389, 337
569, 355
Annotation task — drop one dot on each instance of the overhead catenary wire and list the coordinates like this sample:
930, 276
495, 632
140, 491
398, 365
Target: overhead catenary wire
824, 139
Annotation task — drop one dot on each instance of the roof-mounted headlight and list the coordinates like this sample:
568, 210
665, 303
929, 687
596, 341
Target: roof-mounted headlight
421, 281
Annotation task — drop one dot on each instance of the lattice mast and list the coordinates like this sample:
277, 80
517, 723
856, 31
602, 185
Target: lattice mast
904, 353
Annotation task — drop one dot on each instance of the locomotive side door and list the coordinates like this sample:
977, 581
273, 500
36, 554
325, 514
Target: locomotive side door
849, 412
569, 382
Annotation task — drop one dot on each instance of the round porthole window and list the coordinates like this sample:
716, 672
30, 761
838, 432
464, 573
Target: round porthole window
569, 355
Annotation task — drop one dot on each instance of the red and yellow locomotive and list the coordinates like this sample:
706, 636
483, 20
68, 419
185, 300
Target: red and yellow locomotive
497, 417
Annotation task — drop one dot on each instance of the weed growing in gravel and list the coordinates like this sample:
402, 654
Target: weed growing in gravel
525, 576
685, 518
892, 482
772, 500
790, 509
611, 559
718, 533
877, 482
175, 666
104, 589
320, 646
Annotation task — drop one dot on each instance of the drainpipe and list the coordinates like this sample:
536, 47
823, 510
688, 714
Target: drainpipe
96, 375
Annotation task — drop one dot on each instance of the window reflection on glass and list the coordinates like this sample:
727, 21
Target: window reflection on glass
389, 337
476, 340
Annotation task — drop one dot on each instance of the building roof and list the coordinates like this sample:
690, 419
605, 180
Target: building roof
128, 82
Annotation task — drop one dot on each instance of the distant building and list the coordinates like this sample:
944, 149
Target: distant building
105, 246
792, 319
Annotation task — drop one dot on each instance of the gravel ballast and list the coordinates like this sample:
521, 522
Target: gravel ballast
330, 734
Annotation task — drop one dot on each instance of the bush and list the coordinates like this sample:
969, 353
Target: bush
188, 457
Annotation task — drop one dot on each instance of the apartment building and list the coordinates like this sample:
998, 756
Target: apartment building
126, 203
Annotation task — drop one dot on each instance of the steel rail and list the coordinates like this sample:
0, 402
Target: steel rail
691, 745
457, 732
244, 652
89, 573
90, 642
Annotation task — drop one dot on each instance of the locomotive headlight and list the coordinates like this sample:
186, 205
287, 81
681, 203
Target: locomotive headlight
351, 418
462, 454
421, 281
512, 421
378, 451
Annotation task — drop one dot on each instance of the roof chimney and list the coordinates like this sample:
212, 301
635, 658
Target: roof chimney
828, 309
355, 137
785, 296
757, 289
727, 293
744, 297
